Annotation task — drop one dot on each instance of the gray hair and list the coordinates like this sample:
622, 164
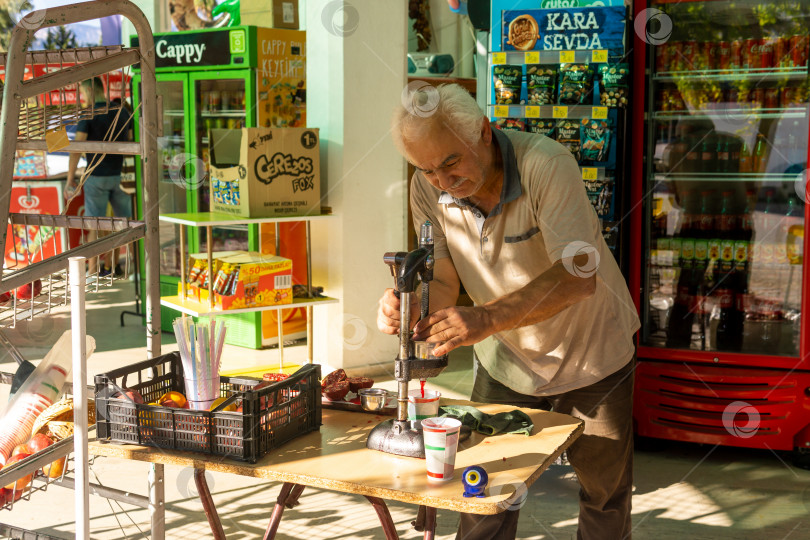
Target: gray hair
424, 106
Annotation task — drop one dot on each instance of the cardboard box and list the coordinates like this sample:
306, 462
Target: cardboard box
282, 13
263, 280
265, 172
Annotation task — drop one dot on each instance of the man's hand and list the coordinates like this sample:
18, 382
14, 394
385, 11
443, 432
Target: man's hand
455, 326
70, 190
388, 313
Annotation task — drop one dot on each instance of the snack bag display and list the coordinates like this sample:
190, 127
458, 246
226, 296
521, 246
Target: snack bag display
510, 124
568, 136
541, 126
614, 85
541, 83
576, 84
508, 81
594, 139
600, 194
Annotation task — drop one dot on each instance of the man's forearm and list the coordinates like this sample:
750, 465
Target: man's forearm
73, 163
544, 297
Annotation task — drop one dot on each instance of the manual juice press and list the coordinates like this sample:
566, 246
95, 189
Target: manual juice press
401, 436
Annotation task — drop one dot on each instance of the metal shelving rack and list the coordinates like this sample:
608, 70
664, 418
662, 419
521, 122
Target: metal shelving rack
25, 125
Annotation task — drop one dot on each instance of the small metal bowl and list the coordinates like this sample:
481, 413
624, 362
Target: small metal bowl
373, 399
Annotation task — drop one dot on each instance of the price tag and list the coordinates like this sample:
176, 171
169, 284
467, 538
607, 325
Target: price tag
589, 173
567, 57
559, 111
531, 58
501, 111
599, 56
498, 58
599, 113
532, 112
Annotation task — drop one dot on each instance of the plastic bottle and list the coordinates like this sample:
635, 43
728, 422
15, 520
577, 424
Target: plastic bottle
708, 154
760, 164
745, 160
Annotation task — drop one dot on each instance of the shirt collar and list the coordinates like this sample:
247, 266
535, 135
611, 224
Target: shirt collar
511, 189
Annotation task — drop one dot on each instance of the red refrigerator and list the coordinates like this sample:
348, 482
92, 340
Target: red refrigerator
719, 198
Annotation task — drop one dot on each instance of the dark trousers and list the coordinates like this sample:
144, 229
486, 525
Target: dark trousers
602, 456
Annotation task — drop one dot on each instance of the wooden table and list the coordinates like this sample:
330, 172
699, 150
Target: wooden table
336, 458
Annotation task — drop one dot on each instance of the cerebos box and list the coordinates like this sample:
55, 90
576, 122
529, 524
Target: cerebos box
252, 280
265, 172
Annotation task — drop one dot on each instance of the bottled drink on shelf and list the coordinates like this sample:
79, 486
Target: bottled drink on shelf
723, 150
708, 154
736, 56
745, 160
692, 159
761, 153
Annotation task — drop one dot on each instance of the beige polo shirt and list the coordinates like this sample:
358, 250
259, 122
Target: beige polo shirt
543, 212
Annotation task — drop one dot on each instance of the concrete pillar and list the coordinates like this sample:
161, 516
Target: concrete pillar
356, 72
156, 12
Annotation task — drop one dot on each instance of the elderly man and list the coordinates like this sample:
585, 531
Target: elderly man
553, 323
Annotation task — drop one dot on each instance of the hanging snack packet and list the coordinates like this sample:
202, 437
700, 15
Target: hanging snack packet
508, 80
541, 126
595, 139
541, 83
600, 194
568, 136
510, 124
614, 85
576, 84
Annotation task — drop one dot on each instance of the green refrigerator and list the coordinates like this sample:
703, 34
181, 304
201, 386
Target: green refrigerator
243, 76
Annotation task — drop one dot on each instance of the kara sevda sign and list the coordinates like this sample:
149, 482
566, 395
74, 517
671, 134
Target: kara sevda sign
565, 29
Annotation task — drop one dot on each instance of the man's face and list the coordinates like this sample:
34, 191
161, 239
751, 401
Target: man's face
449, 163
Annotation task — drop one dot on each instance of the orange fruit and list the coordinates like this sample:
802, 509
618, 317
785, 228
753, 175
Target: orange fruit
176, 397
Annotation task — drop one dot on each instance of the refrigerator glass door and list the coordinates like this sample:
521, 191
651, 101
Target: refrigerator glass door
219, 104
173, 157
725, 191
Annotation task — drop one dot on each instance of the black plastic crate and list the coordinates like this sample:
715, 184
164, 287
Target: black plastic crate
270, 416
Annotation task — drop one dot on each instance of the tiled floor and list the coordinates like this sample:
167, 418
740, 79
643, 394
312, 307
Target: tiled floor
681, 490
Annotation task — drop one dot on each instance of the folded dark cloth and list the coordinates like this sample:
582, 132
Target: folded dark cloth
516, 421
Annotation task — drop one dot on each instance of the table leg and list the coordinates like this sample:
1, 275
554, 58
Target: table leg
157, 510
287, 497
385, 517
419, 523
430, 522
208, 504
292, 500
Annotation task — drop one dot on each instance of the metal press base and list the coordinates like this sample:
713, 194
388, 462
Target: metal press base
400, 439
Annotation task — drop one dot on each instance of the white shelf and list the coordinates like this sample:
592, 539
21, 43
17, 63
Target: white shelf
212, 219
223, 114
733, 75
198, 309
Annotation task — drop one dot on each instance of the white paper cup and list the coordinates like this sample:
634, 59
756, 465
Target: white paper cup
441, 444
420, 408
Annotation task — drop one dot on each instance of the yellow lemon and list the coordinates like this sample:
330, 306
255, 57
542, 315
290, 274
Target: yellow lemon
215, 404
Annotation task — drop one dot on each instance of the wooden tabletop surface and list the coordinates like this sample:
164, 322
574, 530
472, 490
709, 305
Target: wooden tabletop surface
336, 458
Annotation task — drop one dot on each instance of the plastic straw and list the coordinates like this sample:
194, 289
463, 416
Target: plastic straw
220, 342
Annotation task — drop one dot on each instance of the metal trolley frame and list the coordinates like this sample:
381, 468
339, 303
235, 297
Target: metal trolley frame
25, 124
